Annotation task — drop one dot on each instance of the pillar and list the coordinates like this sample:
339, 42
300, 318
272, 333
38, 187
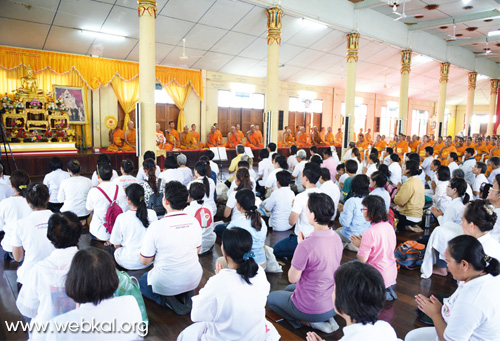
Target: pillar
443, 80
403, 90
470, 103
147, 79
273, 83
350, 86
493, 105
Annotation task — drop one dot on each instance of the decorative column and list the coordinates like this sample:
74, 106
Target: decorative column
350, 86
273, 83
470, 103
403, 90
147, 79
443, 80
493, 104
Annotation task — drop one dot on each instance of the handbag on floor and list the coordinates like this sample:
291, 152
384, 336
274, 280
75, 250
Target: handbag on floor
128, 285
410, 255
272, 263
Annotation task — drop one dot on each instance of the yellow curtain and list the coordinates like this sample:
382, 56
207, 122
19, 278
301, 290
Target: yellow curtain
94, 71
11, 79
127, 93
180, 95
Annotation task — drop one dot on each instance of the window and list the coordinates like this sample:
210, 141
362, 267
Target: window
232, 99
304, 112
419, 121
388, 118
161, 96
360, 111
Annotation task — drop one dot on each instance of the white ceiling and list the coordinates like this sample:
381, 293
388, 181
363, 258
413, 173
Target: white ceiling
229, 36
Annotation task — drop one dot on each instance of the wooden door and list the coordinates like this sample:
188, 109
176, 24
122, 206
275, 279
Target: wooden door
483, 127
291, 121
300, 119
308, 123
166, 113
316, 120
246, 120
257, 116
234, 117
223, 120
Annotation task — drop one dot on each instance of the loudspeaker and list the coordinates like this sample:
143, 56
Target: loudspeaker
138, 126
269, 124
440, 129
280, 120
346, 131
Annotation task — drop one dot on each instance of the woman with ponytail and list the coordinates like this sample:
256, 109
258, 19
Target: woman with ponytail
130, 228
232, 304
472, 312
202, 174
202, 212
456, 191
153, 192
14, 208
242, 181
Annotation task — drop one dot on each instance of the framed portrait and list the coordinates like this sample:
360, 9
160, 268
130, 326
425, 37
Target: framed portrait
75, 99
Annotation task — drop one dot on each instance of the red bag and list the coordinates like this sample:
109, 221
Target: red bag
113, 211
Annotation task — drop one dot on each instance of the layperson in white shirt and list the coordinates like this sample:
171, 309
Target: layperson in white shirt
310, 176
378, 182
130, 228
359, 297
74, 191
329, 188
468, 164
6, 191
53, 181
231, 306
30, 242
348, 153
452, 162
292, 159
172, 171
91, 282
241, 181
372, 165
395, 170
441, 200
299, 167
202, 212
202, 175
479, 171
243, 164
153, 193
280, 202
43, 297
495, 165
426, 163
141, 176
213, 166
172, 244
4, 179
14, 208
103, 158
264, 165
126, 179
456, 191
459, 173
98, 203
478, 221
472, 312
280, 164
387, 158
188, 173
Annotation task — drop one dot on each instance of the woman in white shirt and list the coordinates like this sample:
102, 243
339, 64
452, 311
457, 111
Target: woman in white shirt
91, 282
372, 165
279, 165
103, 158
202, 212
479, 170
232, 304
456, 191
172, 171
472, 312
53, 181
441, 200
292, 159
74, 191
359, 297
141, 175
378, 180
14, 208
43, 297
395, 169
130, 228
202, 174
124, 180
242, 181
280, 202
30, 242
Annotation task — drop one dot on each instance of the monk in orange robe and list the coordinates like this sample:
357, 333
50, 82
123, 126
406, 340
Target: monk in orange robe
213, 138
218, 133
116, 138
130, 138
460, 147
302, 138
255, 139
160, 137
172, 136
439, 145
401, 146
288, 139
480, 149
443, 154
196, 137
240, 133
495, 151
368, 136
425, 143
233, 138
329, 137
414, 144
186, 139
316, 138
338, 138
322, 134
380, 144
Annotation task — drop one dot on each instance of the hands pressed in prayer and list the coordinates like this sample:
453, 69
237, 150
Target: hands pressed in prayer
312, 336
356, 240
436, 211
218, 268
300, 237
430, 306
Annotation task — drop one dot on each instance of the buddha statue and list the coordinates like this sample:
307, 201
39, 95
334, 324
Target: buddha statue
29, 84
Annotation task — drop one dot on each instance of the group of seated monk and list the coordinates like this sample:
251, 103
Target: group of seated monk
123, 141
302, 139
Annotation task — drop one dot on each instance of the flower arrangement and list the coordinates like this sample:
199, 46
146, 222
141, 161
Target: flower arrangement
35, 104
21, 134
8, 106
5, 99
19, 105
35, 136
52, 106
58, 101
160, 139
49, 134
60, 132
16, 123
70, 132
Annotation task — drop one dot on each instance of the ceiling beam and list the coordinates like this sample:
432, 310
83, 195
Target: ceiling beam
491, 55
461, 42
369, 4
458, 19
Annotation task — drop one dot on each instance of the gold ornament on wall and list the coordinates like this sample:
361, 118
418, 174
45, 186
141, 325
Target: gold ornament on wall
110, 122
472, 80
352, 47
445, 71
405, 61
274, 15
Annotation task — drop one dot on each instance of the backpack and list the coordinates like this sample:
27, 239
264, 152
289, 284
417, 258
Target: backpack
204, 217
156, 204
113, 211
128, 285
410, 254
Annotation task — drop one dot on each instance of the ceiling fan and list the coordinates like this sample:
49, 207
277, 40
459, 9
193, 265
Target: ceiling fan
401, 15
454, 37
487, 51
184, 56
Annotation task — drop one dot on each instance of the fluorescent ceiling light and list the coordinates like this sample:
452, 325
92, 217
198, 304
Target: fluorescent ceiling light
103, 36
493, 33
466, 2
314, 24
481, 77
422, 59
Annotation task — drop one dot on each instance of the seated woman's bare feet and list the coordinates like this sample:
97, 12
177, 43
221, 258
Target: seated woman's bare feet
440, 271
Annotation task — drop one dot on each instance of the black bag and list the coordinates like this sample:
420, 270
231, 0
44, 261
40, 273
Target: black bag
156, 204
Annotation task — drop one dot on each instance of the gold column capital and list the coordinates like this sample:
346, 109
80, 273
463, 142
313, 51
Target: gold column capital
472, 80
146, 6
274, 15
352, 47
405, 61
494, 86
445, 71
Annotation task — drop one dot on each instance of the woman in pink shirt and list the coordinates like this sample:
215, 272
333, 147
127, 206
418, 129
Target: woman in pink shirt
376, 246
